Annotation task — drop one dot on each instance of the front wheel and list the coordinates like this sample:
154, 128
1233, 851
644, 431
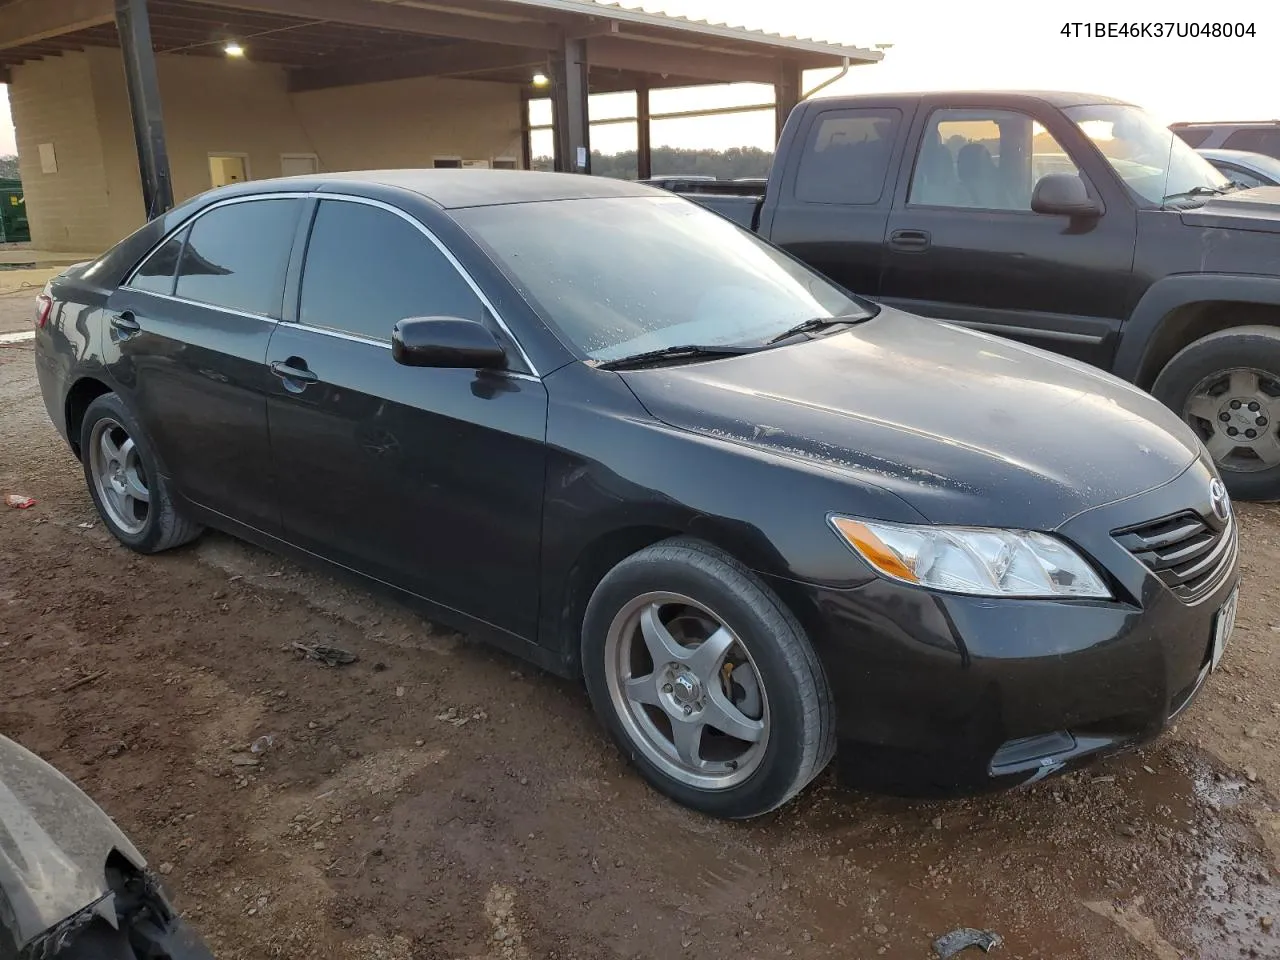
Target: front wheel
706, 681
1226, 386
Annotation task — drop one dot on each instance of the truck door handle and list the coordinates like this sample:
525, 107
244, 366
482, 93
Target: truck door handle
294, 373
909, 240
125, 324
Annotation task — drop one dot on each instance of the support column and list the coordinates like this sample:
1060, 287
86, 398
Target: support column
644, 148
134, 26
569, 107
526, 135
786, 90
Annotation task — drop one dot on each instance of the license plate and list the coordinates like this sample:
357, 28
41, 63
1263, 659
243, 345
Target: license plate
1223, 624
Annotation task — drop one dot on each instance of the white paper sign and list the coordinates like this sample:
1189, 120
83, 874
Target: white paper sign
582, 158
48, 159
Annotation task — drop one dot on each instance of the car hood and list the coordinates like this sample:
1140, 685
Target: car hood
54, 845
967, 428
1257, 209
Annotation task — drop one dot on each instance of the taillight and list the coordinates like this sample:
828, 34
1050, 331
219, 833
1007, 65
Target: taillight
44, 306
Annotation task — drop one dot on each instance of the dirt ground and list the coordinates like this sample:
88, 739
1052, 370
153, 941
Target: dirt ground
437, 800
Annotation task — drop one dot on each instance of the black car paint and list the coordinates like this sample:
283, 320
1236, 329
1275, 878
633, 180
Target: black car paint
1106, 290
551, 478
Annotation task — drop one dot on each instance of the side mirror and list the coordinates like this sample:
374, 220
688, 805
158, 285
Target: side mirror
446, 342
1063, 194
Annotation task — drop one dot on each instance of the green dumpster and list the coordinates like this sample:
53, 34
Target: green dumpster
13, 213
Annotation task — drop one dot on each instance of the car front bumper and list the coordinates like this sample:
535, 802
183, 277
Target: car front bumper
943, 694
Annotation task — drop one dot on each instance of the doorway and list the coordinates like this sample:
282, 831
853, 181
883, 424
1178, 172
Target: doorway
299, 164
225, 168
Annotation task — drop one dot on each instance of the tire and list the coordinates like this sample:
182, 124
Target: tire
148, 526
1201, 384
765, 671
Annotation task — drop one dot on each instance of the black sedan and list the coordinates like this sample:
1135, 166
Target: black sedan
621, 437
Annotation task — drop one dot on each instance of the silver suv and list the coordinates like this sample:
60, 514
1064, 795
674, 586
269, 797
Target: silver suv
1260, 136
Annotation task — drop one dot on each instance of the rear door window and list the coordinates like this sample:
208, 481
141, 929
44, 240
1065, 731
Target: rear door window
367, 269
236, 256
846, 157
1256, 141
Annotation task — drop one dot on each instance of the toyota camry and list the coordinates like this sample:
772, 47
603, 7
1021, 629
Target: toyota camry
767, 522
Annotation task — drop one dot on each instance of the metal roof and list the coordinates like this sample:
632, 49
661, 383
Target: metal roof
723, 31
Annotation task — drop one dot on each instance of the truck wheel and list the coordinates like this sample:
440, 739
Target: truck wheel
1226, 386
706, 680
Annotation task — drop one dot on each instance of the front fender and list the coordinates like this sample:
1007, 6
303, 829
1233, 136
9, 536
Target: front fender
616, 475
1142, 331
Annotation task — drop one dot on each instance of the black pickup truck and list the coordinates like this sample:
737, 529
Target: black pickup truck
1072, 222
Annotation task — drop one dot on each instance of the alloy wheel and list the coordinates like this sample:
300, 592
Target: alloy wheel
118, 476
687, 691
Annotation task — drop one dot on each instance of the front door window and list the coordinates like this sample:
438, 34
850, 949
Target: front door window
984, 159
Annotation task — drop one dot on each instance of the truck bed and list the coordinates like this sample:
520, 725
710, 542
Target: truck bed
738, 200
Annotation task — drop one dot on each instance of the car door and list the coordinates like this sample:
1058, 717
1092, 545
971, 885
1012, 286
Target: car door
836, 194
427, 479
964, 245
187, 341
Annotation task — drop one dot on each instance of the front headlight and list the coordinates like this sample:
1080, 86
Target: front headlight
979, 560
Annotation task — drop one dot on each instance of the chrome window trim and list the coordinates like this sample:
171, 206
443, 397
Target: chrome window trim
190, 221
345, 198
266, 318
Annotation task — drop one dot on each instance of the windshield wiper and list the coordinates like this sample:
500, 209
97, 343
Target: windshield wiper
1196, 191
689, 351
817, 323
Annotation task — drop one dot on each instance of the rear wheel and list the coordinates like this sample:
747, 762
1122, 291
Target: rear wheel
128, 489
1226, 386
706, 681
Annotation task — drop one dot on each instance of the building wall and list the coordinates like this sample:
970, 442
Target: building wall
218, 106
52, 102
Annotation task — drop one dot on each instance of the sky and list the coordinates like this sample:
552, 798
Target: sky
992, 44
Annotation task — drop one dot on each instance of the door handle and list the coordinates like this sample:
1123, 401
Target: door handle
125, 324
909, 240
293, 372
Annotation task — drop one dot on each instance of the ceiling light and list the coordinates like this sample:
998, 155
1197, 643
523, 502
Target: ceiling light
540, 79
233, 49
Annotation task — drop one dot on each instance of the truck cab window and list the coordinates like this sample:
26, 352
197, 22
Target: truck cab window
984, 159
846, 156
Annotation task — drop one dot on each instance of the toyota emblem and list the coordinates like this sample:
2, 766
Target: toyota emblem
1219, 500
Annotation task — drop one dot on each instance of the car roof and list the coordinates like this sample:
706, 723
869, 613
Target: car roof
1220, 153
1260, 162
1189, 124
453, 189
1056, 98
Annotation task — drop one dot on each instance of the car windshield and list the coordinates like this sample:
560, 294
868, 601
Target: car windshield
1156, 164
622, 276
1256, 163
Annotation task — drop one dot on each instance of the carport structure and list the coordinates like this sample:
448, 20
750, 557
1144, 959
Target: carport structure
318, 46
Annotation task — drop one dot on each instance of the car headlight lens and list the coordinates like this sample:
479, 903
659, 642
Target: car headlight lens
978, 560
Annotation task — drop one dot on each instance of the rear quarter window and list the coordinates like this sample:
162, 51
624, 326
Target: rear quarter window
846, 156
1193, 138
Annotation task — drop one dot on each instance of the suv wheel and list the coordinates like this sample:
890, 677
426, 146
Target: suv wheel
130, 493
1226, 386
706, 681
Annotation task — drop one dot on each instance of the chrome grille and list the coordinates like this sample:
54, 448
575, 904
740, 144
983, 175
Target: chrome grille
1184, 551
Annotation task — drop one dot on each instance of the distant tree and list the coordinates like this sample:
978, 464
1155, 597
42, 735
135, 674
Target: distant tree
9, 168
728, 164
